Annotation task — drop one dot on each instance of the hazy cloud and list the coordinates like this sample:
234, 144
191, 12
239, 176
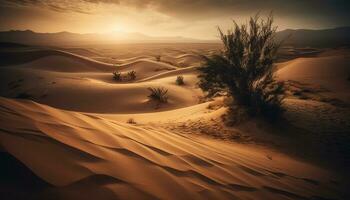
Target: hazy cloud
80, 6
203, 9
192, 17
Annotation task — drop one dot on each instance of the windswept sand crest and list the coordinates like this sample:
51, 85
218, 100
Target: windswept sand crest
81, 150
67, 148
96, 92
55, 60
69, 83
328, 72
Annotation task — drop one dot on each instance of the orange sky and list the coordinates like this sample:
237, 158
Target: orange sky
196, 19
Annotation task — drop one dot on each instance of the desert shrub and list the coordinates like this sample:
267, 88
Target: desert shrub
131, 75
244, 70
158, 94
131, 121
117, 76
180, 80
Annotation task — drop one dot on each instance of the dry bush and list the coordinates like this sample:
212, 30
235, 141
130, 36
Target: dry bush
131, 121
128, 76
131, 75
158, 94
117, 76
180, 80
244, 70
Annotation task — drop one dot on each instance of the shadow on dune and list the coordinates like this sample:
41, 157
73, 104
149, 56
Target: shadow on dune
18, 182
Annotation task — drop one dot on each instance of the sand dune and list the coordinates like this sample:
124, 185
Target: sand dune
71, 150
179, 72
49, 80
66, 64
88, 52
328, 72
145, 68
96, 91
188, 59
135, 58
72, 131
54, 60
182, 59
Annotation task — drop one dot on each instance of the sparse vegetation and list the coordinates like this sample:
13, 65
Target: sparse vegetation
117, 76
244, 70
128, 76
180, 80
158, 94
132, 75
131, 121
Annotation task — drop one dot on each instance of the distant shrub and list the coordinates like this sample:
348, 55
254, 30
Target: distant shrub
117, 76
180, 80
131, 121
131, 75
158, 94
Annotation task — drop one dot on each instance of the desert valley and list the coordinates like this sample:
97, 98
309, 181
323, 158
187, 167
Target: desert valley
129, 120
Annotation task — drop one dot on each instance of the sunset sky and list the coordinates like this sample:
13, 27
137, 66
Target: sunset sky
196, 18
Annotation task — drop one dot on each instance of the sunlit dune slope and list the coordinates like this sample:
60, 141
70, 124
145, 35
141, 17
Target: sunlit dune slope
78, 83
53, 60
328, 72
90, 92
71, 149
182, 59
68, 81
145, 68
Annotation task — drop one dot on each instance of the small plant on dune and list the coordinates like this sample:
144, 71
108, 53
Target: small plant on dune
244, 70
117, 76
158, 94
180, 80
131, 75
131, 121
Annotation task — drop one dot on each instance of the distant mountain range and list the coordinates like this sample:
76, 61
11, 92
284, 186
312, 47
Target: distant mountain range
316, 38
34, 38
298, 38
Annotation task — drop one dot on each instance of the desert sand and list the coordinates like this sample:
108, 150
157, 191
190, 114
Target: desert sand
66, 119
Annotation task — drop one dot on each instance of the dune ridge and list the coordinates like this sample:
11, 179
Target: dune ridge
51, 78
74, 124
67, 148
45, 59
